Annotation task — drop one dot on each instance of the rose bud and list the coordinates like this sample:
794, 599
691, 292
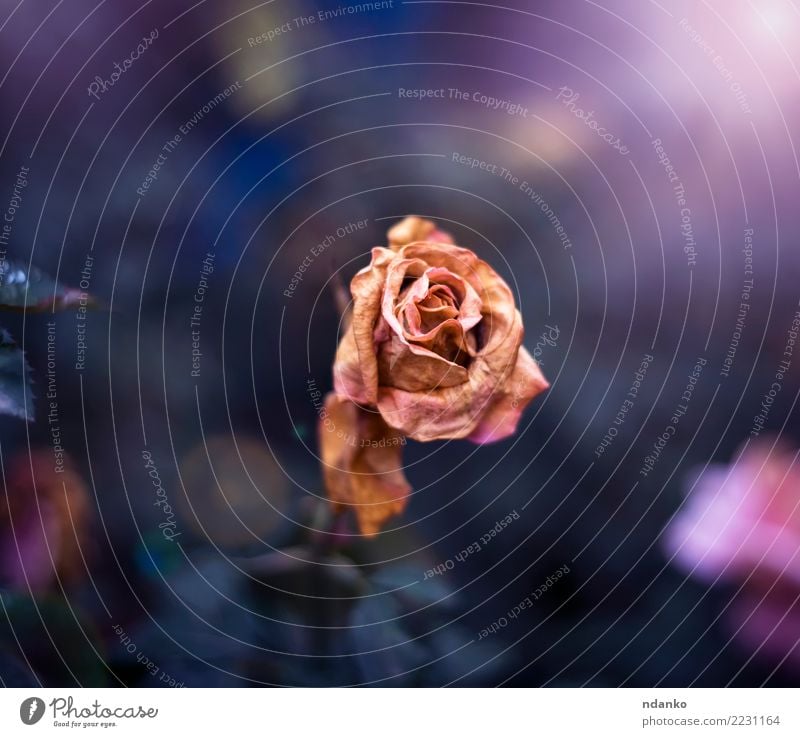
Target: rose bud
433, 349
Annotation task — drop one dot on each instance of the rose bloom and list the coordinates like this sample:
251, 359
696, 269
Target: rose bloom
742, 524
433, 351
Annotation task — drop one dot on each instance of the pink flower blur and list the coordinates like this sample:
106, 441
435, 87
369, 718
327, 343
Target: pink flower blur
741, 524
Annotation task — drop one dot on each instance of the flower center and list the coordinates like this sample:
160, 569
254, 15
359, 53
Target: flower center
437, 310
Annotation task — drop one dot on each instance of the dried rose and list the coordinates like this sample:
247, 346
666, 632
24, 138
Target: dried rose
435, 341
433, 351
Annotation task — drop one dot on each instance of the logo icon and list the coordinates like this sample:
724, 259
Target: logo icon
32, 710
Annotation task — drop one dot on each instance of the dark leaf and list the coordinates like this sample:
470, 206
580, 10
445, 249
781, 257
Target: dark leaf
16, 397
58, 641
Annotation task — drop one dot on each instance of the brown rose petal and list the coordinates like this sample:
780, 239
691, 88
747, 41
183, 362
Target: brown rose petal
456, 411
413, 229
362, 463
447, 411
435, 344
356, 371
440, 343
450, 289
488, 285
421, 318
401, 368
507, 405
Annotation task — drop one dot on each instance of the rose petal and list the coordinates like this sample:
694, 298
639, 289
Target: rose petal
502, 416
454, 412
400, 367
414, 228
417, 380
362, 463
347, 377
367, 287
440, 340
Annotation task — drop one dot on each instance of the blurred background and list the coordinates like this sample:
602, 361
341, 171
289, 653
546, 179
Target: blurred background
628, 167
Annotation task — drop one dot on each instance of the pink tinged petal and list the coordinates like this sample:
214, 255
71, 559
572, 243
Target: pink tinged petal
470, 303
403, 368
414, 228
367, 287
348, 378
412, 318
445, 413
396, 273
454, 412
505, 409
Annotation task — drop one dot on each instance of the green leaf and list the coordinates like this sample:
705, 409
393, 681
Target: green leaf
16, 397
31, 290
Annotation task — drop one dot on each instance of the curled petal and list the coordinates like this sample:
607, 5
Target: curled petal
413, 229
507, 405
362, 463
348, 379
367, 288
455, 411
434, 351
402, 367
